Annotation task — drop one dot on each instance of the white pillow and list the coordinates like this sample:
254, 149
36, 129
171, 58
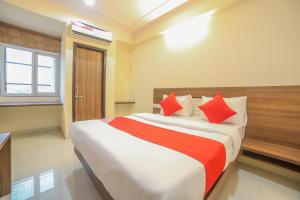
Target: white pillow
238, 104
196, 102
186, 104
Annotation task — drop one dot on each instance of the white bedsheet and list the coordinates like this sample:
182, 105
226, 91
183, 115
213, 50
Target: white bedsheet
133, 169
240, 128
230, 131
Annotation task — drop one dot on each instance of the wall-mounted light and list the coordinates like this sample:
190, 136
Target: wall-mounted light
188, 32
89, 2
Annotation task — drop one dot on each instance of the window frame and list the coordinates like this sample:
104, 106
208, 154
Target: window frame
35, 54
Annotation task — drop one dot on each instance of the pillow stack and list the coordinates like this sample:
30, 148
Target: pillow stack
185, 103
237, 104
213, 109
216, 110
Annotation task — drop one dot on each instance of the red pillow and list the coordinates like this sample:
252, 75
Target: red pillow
170, 104
216, 110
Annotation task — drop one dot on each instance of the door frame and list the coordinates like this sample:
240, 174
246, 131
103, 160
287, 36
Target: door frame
104, 51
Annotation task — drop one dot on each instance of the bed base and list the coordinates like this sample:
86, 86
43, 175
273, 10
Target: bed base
212, 195
98, 184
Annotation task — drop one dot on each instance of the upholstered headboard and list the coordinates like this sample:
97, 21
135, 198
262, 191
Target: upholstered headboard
273, 112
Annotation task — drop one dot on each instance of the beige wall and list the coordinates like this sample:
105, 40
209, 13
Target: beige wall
29, 117
123, 71
252, 43
123, 78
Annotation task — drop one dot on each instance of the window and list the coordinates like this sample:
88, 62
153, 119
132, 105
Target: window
46, 74
18, 71
29, 73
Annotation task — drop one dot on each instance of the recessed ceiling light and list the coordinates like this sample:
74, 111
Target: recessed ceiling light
89, 2
164, 8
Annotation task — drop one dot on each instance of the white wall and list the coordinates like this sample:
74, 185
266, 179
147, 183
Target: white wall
252, 43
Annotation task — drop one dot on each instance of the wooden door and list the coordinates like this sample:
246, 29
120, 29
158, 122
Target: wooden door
89, 84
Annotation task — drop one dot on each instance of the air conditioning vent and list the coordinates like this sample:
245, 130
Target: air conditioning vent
79, 28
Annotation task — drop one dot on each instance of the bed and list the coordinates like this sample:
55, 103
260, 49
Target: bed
126, 167
117, 173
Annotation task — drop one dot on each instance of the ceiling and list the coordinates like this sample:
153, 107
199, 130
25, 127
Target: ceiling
19, 17
127, 12
123, 17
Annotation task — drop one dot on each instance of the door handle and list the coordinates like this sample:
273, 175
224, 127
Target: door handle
76, 90
76, 93
79, 97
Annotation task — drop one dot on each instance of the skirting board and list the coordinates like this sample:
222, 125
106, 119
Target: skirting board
276, 169
36, 131
7, 197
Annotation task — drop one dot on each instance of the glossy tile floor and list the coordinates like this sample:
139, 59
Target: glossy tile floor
45, 167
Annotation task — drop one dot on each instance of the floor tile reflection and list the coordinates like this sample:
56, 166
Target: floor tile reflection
44, 166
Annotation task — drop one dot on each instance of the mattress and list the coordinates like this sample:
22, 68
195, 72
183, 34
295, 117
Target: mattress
131, 168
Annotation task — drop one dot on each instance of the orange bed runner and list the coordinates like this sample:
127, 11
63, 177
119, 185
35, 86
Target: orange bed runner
209, 152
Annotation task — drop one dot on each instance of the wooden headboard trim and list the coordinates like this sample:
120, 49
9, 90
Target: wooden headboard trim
273, 111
